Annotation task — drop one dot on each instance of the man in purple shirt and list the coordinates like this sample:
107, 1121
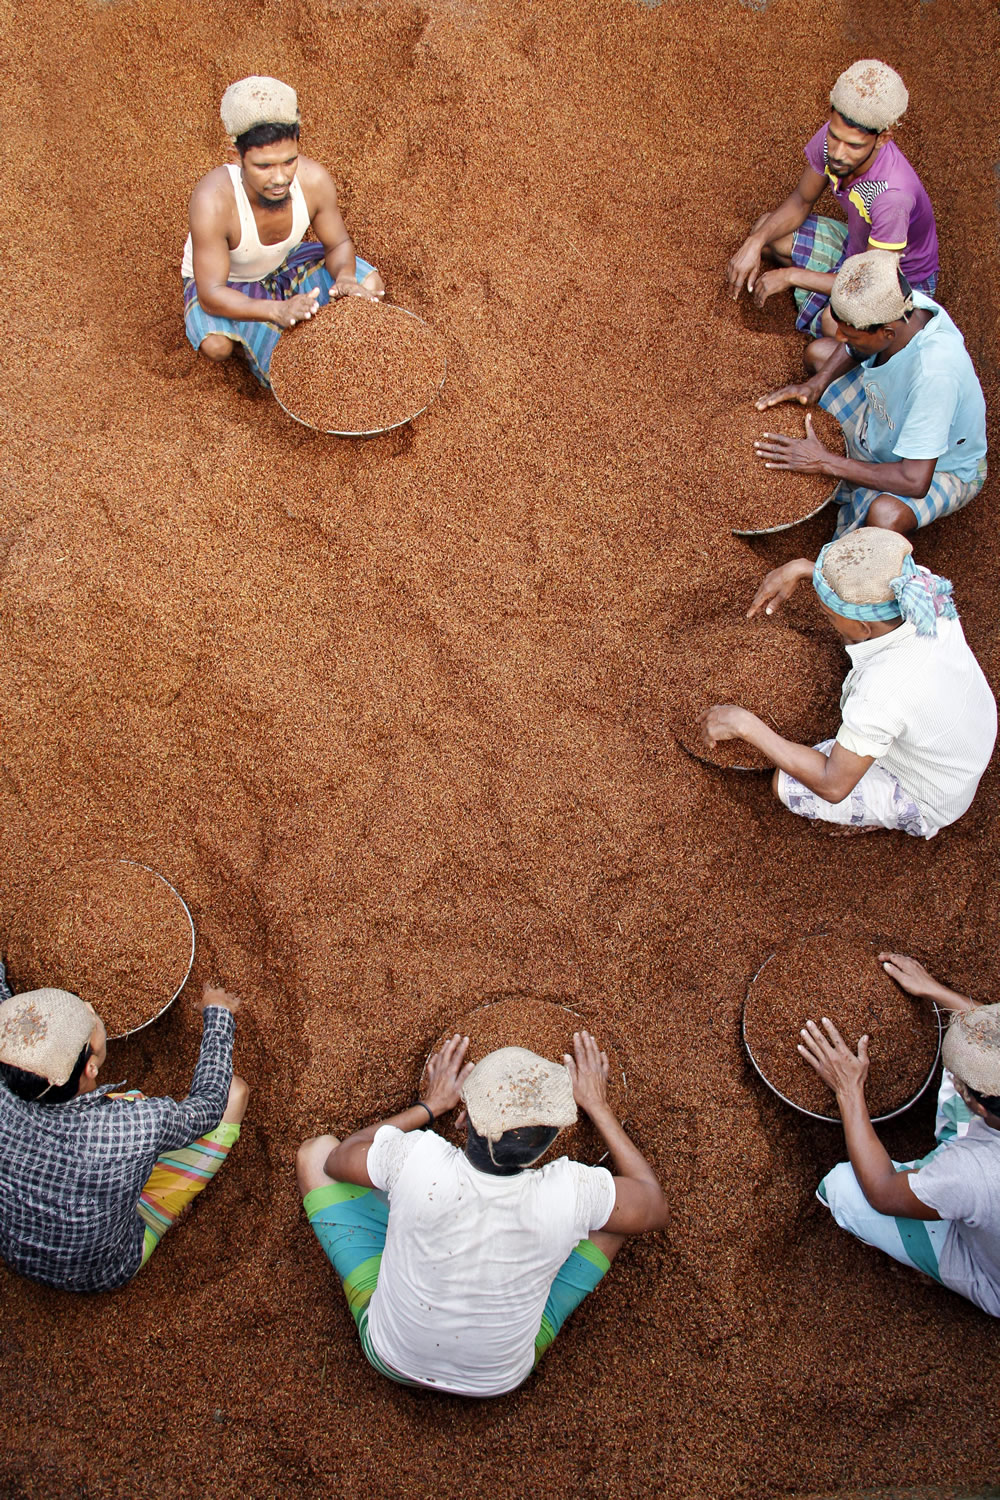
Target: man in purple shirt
884, 200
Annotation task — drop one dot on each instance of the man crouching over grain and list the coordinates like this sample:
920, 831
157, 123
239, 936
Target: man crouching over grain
460, 1267
919, 721
940, 1214
90, 1179
248, 269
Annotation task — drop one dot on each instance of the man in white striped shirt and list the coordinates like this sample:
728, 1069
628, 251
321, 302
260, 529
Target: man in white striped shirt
919, 721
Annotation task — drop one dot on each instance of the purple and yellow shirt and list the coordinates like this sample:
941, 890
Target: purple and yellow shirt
887, 208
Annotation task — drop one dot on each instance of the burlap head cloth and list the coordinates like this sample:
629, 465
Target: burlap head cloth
972, 1049
258, 101
866, 290
860, 567
514, 1088
44, 1031
870, 94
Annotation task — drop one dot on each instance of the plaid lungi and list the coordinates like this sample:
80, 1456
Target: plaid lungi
820, 244
302, 270
845, 399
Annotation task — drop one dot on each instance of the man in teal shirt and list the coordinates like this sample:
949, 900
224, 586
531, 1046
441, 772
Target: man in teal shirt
900, 382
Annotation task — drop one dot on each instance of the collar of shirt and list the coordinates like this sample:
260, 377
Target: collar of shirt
865, 650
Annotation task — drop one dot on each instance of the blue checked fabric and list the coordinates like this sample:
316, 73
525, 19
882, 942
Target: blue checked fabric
71, 1174
845, 399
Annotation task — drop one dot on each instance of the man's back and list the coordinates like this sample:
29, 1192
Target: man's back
470, 1257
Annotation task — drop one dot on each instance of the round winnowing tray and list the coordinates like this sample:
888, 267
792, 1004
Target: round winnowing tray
338, 431
801, 1109
785, 525
35, 962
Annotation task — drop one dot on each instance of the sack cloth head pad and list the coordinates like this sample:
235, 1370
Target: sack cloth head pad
258, 101
972, 1048
871, 94
44, 1031
513, 1088
860, 567
866, 292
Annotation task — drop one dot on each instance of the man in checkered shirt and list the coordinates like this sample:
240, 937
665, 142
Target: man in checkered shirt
91, 1179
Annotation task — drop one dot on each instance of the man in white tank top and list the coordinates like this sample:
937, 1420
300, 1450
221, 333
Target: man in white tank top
248, 270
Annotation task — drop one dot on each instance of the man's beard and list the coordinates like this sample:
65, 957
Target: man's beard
274, 202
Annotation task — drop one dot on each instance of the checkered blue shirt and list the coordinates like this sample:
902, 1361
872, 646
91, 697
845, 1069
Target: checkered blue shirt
71, 1174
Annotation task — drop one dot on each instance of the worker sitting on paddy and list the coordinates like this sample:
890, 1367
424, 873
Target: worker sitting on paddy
91, 1179
884, 200
919, 721
248, 270
900, 382
941, 1214
460, 1267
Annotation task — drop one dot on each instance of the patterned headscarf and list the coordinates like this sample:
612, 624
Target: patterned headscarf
917, 595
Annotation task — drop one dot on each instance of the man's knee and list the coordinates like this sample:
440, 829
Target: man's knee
236, 1104
310, 1162
818, 352
841, 1191
889, 513
216, 346
775, 782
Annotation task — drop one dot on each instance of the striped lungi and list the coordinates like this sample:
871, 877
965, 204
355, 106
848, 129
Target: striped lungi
302, 270
845, 399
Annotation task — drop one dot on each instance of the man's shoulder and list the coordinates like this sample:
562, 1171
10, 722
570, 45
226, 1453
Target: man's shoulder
316, 183
212, 197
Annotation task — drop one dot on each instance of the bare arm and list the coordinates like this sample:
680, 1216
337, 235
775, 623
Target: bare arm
744, 265
915, 980
446, 1073
330, 228
887, 1190
640, 1203
908, 477
808, 392
831, 776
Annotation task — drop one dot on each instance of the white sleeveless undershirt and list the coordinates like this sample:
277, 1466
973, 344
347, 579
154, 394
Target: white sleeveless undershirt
252, 261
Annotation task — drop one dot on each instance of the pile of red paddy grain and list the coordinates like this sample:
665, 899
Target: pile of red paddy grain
112, 932
791, 680
392, 716
358, 367
545, 1028
838, 975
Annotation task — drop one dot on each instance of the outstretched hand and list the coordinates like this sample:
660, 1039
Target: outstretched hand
446, 1073
839, 1068
805, 455
723, 721
214, 994
804, 393
588, 1071
778, 585
768, 284
744, 266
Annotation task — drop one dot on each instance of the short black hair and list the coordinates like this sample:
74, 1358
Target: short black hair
265, 135
853, 125
990, 1102
30, 1086
515, 1150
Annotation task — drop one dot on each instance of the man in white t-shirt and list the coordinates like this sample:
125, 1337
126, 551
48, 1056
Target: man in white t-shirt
940, 1214
460, 1267
918, 718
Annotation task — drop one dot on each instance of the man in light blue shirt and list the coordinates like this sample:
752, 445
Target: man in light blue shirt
900, 382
